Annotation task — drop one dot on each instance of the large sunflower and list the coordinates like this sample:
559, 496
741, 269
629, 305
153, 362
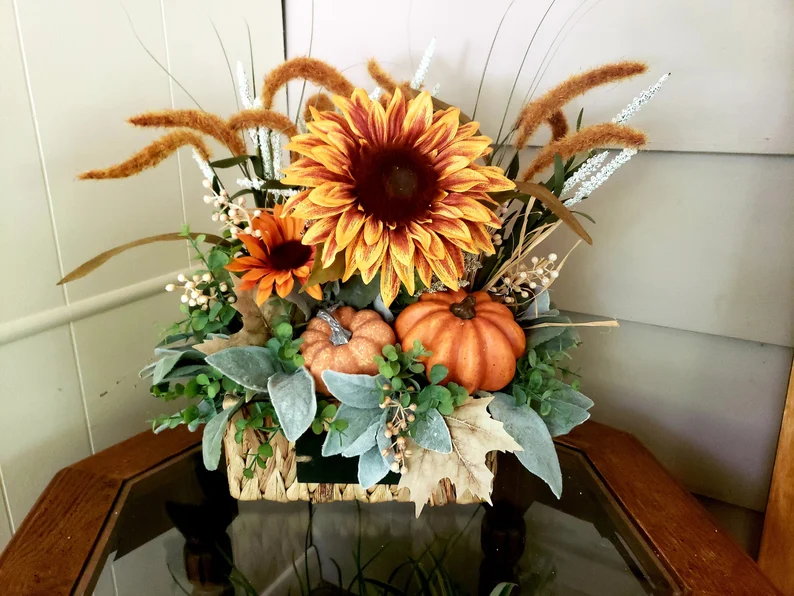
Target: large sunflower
396, 187
276, 257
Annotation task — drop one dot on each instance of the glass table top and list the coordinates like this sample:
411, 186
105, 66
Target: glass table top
179, 532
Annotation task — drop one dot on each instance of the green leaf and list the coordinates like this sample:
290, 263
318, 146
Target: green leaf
284, 330
164, 366
340, 425
317, 427
358, 421
203, 379
366, 440
249, 366
292, 395
503, 589
446, 408
572, 396
215, 309
230, 162
512, 169
199, 320
535, 337
358, 391
579, 120
372, 468
417, 367
563, 416
431, 432
213, 437
559, 174
437, 373
265, 451
329, 411
435, 392
357, 294
248, 473
529, 430
217, 259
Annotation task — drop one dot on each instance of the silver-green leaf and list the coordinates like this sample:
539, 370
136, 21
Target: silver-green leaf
293, 398
529, 430
249, 366
359, 391
358, 421
371, 468
164, 366
563, 417
213, 437
365, 441
432, 433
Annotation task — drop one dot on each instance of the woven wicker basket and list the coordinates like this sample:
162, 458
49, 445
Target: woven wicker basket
279, 481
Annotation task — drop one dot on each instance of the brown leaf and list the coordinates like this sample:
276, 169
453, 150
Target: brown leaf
545, 196
103, 258
474, 433
255, 331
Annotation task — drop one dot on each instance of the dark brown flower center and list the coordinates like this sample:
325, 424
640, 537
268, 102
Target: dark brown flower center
394, 184
290, 255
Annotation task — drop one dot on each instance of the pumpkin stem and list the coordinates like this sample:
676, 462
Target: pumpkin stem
339, 335
465, 308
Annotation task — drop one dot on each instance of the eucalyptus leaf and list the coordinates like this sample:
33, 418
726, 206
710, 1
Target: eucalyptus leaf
529, 430
356, 293
358, 422
249, 366
432, 433
573, 397
213, 437
359, 391
371, 468
293, 398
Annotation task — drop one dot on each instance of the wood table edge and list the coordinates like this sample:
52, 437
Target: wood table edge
49, 551
687, 540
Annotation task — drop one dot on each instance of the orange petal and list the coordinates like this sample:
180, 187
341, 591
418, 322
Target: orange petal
446, 272
309, 210
389, 282
284, 288
418, 117
418, 233
304, 144
350, 263
330, 248
355, 116
404, 271
401, 246
320, 230
332, 159
346, 145
471, 209
315, 291
373, 229
495, 179
445, 226
376, 123
244, 264
350, 222
423, 268
254, 246
294, 201
332, 194
471, 148
395, 114
480, 238
462, 180
254, 275
450, 165
368, 254
265, 289
440, 133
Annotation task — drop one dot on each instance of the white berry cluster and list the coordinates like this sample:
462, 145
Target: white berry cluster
232, 213
496, 236
398, 424
200, 290
523, 282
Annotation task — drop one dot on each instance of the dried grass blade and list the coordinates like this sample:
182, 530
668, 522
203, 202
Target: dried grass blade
610, 323
545, 196
103, 258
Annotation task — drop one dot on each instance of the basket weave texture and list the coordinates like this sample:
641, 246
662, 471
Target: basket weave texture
279, 481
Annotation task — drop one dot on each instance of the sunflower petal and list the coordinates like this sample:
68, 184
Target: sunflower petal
440, 133
423, 268
418, 117
448, 227
304, 144
395, 114
446, 272
471, 209
389, 282
376, 123
350, 222
315, 291
264, 292
401, 246
418, 233
308, 210
294, 201
480, 238
332, 194
462, 180
495, 179
367, 255
330, 249
332, 159
405, 271
244, 264
471, 148
254, 246
373, 229
355, 117
320, 230
284, 288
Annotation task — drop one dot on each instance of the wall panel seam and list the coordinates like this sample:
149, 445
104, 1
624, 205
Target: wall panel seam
48, 191
64, 315
6, 504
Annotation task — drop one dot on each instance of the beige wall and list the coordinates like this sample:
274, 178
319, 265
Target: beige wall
692, 245
71, 72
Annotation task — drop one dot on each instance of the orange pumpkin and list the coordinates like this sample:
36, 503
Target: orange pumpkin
477, 339
326, 348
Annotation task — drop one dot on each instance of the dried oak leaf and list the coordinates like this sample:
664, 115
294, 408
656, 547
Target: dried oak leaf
255, 331
474, 433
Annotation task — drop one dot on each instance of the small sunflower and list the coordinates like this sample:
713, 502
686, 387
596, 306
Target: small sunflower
277, 257
396, 188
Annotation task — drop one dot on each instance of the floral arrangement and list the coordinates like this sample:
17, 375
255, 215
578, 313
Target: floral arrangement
387, 288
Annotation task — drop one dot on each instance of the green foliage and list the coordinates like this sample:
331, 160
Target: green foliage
292, 395
284, 349
354, 292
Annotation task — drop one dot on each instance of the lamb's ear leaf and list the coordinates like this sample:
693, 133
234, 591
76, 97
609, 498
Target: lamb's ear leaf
213, 436
293, 398
529, 430
359, 391
372, 468
249, 366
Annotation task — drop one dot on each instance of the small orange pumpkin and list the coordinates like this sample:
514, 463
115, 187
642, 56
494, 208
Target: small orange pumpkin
477, 339
327, 347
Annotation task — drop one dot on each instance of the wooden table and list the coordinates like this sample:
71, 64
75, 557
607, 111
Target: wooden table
618, 503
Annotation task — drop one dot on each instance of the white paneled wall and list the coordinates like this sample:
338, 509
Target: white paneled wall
692, 243
72, 72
